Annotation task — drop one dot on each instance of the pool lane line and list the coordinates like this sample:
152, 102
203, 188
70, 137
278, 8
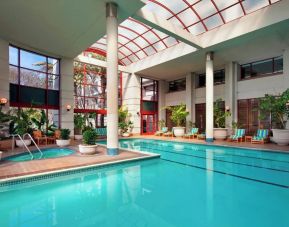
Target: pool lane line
229, 174
219, 160
245, 156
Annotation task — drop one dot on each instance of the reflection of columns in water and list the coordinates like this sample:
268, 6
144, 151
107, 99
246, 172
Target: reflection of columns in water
210, 184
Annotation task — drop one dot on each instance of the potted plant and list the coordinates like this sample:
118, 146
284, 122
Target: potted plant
179, 114
20, 125
278, 109
79, 123
124, 123
89, 140
64, 138
220, 115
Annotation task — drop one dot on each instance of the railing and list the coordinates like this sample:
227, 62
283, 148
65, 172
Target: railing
27, 134
13, 144
30, 137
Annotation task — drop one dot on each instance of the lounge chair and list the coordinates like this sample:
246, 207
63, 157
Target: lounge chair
201, 136
101, 132
39, 138
239, 136
56, 136
192, 134
162, 131
261, 137
169, 133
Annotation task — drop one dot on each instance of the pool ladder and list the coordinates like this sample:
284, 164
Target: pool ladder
26, 134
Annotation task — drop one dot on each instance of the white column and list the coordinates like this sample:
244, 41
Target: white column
66, 94
4, 71
162, 99
112, 78
131, 98
190, 96
209, 97
286, 73
231, 71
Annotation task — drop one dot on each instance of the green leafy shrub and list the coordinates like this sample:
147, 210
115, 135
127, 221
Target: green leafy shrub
89, 137
64, 134
179, 114
219, 114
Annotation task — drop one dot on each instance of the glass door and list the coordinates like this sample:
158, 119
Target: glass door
148, 124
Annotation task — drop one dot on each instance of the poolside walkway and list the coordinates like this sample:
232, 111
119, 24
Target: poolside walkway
10, 169
267, 146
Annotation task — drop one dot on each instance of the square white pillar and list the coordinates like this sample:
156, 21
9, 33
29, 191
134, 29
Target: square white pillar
66, 93
190, 96
209, 97
162, 99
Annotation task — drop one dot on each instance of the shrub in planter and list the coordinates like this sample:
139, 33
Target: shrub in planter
220, 115
79, 124
278, 109
179, 114
89, 140
64, 137
124, 123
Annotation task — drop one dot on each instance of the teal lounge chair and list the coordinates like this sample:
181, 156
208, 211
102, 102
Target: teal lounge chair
162, 131
192, 134
239, 135
262, 136
101, 132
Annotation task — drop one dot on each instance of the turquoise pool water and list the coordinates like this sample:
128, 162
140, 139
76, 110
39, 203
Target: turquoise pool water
190, 185
47, 153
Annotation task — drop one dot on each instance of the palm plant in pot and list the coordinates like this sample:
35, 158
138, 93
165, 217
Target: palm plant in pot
278, 109
179, 114
64, 139
220, 115
124, 123
79, 123
20, 125
89, 140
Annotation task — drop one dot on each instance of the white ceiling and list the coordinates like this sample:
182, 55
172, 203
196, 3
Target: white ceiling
62, 28
261, 44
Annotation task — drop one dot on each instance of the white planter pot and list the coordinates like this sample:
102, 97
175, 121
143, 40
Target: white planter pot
1, 155
179, 131
87, 149
126, 134
281, 136
220, 133
62, 143
19, 143
78, 137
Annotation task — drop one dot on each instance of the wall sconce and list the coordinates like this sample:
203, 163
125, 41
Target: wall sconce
68, 107
3, 101
227, 108
137, 113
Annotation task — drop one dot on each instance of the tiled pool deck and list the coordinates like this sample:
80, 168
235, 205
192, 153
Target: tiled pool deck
9, 170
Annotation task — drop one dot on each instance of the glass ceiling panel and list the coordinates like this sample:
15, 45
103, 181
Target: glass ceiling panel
138, 40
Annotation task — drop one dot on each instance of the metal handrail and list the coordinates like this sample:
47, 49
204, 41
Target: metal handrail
41, 154
13, 144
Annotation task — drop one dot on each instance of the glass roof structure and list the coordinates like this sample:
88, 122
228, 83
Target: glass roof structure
138, 40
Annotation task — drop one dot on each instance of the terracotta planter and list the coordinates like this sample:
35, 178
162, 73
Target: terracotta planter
281, 136
179, 131
19, 143
62, 143
220, 133
87, 149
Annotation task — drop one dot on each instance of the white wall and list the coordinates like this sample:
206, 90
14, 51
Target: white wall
175, 98
131, 98
219, 92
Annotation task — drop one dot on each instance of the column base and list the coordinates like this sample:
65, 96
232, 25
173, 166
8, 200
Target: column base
112, 151
209, 140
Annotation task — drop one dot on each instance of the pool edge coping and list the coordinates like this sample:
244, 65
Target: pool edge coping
104, 164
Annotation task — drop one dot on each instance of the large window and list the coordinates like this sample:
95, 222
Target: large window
177, 85
149, 106
219, 78
262, 68
90, 91
34, 81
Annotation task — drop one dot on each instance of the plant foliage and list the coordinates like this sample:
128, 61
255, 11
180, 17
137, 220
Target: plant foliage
64, 133
220, 114
89, 137
179, 114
